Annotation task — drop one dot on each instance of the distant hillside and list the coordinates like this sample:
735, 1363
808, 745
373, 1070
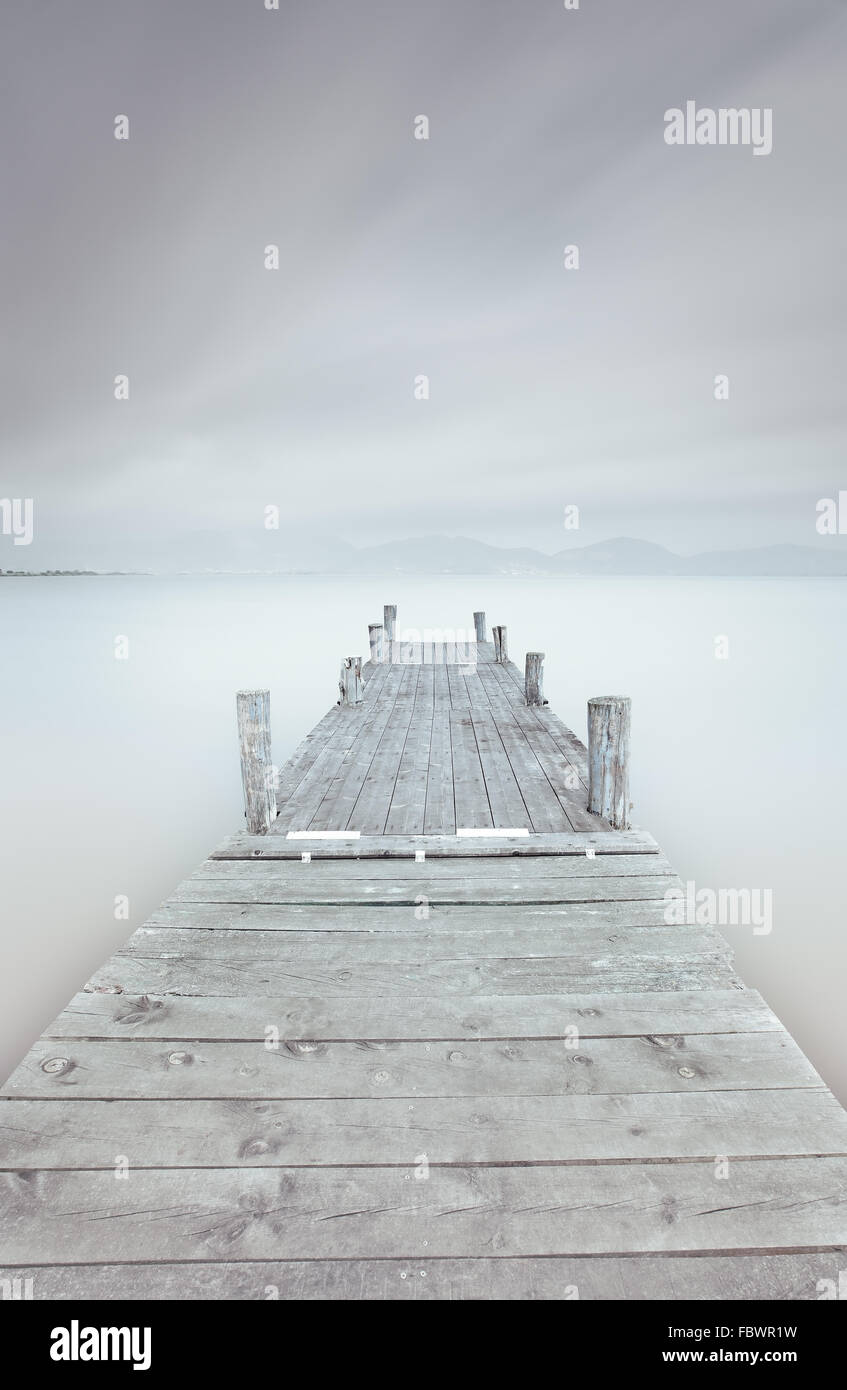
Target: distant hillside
623, 556
239, 552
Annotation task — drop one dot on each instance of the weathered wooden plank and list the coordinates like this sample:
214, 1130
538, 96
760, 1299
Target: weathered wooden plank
374, 917
573, 747
493, 687
407, 809
476, 693
425, 689
142, 1068
508, 807
508, 941
504, 1017
511, 682
459, 699
769, 1277
545, 807
449, 869
340, 797
440, 809
352, 724
305, 754
257, 1213
87, 1134
530, 944
437, 846
498, 888
269, 975
373, 802
562, 773
471, 798
565, 770
573, 974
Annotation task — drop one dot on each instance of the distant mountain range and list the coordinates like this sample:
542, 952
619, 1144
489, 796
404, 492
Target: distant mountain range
234, 553
460, 555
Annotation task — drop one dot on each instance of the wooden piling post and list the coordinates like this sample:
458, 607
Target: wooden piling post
389, 622
534, 678
501, 650
479, 624
350, 681
257, 778
375, 631
608, 758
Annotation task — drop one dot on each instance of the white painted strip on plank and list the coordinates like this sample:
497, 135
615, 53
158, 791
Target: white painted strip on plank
497, 834
322, 835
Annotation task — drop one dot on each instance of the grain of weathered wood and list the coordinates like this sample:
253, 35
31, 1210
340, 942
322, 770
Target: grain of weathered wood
563, 769
337, 754
350, 683
504, 1017
251, 964
508, 808
375, 636
546, 806
407, 808
498, 887
340, 796
396, 917
313, 1068
511, 682
373, 802
471, 797
440, 806
602, 842
187, 1133
534, 678
608, 758
508, 940
764, 1277
459, 699
316, 1213
254, 734
477, 697
760, 1277
447, 869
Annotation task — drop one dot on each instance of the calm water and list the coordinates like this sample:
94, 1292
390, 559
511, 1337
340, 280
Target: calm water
119, 776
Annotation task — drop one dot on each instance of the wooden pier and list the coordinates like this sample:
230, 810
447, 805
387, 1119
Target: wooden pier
429, 1035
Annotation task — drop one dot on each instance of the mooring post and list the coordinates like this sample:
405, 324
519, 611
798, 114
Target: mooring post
350, 681
479, 624
389, 621
375, 639
501, 650
608, 758
254, 735
534, 678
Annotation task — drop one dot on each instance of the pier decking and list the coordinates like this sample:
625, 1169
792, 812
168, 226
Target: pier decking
411, 1063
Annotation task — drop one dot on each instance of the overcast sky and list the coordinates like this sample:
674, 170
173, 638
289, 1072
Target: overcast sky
400, 256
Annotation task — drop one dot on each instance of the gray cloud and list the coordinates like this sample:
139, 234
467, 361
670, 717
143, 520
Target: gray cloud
401, 257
